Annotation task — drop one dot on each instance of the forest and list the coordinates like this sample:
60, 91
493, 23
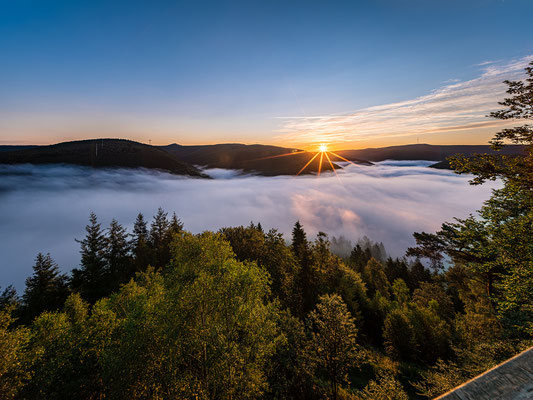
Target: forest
161, 313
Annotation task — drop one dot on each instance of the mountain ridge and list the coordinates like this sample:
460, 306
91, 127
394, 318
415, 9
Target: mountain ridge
101, 153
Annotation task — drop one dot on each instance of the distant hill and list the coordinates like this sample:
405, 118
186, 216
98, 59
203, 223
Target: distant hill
425, 152
15, 148
101, 153
256, 158
260, 159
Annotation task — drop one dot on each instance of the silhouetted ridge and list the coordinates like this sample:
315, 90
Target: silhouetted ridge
101, 153
262, 159
426, 152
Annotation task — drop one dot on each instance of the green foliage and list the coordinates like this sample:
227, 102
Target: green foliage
46, 289
432, 295
386, 387
140, 244
497, 246
290, 371
399, 335
14, 371
333, 347
432, 334
269, 252
175, 338
91, 280
375, 278
400, 291
9, 298
117, 256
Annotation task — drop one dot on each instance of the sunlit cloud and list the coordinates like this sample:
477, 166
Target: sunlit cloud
455, 106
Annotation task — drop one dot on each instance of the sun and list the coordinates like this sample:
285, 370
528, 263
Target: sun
324, 156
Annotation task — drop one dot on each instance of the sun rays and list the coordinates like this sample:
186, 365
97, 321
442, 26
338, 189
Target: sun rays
323, 152
325, 157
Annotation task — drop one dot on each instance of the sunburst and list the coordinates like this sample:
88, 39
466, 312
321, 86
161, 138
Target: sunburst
322, 152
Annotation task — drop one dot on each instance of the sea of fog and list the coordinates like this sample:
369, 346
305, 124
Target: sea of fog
44, 208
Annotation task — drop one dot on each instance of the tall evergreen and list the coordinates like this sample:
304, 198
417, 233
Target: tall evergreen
396, 269
140, 244
46, 289
92, 278
418, 274
359, 257
117, 255
9, 298
159, 238
175, 226
299, 240
306, 277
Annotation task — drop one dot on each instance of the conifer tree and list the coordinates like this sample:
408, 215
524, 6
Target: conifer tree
159, 238
117, 255
9, 298
91, 279
46, 289
140, 244
418, 274
306, 279
359, 257
299, 240
175, 225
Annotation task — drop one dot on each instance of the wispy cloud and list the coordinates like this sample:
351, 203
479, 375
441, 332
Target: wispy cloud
488, 62
452, 107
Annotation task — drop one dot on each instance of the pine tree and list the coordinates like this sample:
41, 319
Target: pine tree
299, 240
418, 274
306, 278
117, 254
92, 278
359, 257
46, 289
159, 238
175, 226
140, 244
9, 298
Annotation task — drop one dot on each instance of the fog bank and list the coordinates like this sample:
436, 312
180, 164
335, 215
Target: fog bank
43, 209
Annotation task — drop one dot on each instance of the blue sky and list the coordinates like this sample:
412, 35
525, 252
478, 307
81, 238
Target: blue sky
248, 71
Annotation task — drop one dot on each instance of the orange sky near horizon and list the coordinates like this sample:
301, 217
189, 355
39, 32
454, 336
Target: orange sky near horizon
460, 137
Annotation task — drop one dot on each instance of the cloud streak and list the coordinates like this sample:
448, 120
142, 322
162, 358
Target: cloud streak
45, 208
453, 107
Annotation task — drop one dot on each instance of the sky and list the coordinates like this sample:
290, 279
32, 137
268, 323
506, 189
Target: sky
296, 73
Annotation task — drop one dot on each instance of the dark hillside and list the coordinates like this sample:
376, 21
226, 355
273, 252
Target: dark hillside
425, 152
101, 153
261, 159
15, 147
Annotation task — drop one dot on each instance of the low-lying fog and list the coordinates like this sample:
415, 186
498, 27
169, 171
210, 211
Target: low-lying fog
43, 209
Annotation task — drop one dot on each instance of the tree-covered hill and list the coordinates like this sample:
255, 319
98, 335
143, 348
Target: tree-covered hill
255, 158
426, 152
101, 153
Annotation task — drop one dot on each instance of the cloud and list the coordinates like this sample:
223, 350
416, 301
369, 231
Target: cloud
452, 107
484, 63
45, 208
